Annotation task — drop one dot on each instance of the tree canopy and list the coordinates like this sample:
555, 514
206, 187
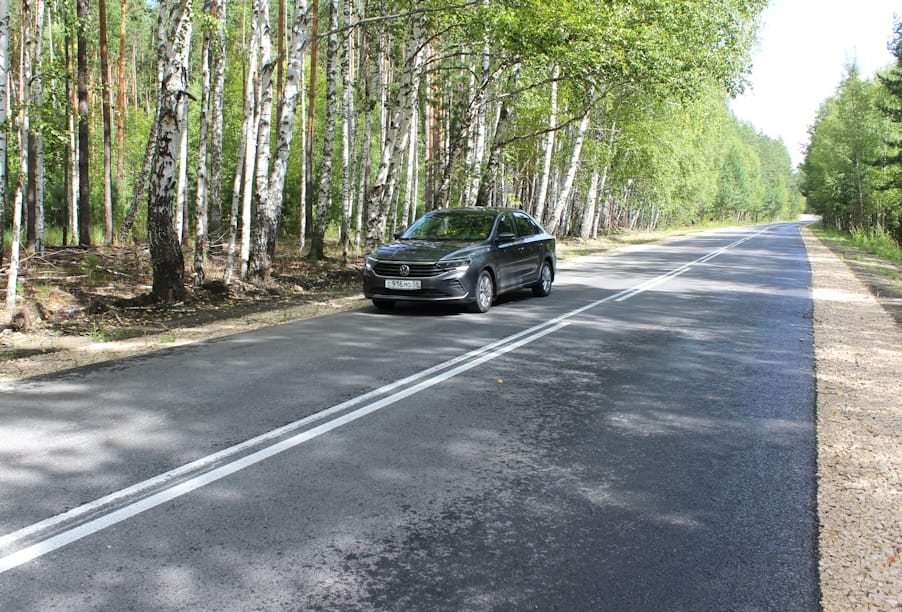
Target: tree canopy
596, 116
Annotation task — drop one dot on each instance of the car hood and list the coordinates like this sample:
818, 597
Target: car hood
429, 250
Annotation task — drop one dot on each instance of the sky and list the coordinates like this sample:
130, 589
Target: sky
804, 48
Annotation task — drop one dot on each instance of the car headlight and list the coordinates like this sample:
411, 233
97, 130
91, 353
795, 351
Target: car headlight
454, 264
371, 263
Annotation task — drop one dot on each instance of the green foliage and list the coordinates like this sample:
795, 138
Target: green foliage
845, 167
876, 241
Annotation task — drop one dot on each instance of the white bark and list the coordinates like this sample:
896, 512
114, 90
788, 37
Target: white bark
262, 193
4, 102
325, 182
23, 131
477, 148
347, 202
567, 189
269, 209
251, 117
548, 146
166, 254
588, 216
217, 96
201, 201
410, 188
37, 94
395, 140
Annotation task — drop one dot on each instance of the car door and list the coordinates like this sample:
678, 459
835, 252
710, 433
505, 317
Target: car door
531, 249
506, 253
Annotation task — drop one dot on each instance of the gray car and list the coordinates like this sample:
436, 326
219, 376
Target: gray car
463, 255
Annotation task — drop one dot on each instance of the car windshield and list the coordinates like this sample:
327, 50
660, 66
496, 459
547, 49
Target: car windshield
451, 226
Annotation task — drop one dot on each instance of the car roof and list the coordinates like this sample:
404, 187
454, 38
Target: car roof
487, 210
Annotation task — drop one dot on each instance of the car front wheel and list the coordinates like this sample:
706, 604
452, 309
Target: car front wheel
485, 292
543, 287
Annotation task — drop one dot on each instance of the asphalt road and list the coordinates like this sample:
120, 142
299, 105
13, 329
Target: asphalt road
642, 439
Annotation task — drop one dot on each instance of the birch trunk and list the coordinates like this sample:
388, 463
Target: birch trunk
84, 186
26, 144
72, 169
363, 187
548, 146
37, 160
106, 112
165, 250
251, 117
23, 129
487, 182
410, 194
270, 190
120, 100
218, 61
200, 203
311, 117
588, 216
480, 128
4, 102
379, 198
181, 205
347, 131
567, 189
324, 199
236, 197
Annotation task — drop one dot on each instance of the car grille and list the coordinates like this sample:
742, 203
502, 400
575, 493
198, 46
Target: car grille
417, 270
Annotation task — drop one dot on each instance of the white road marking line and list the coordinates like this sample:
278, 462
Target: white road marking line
439, 373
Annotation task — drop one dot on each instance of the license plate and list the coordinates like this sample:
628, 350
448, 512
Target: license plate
408, 285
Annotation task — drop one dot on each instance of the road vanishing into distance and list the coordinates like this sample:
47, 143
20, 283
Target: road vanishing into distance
642, 439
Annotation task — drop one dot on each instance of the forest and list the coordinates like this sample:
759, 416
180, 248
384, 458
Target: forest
852, 172
322, 126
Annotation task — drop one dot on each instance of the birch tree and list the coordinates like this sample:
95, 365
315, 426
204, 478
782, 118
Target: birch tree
200, 202
378, 201
347, 127
22, 133
548, 145
4, 102
105, 93
563, 198
84, 184
32, 26
217, 97
121, 95
269, 208
165, 251
324, 199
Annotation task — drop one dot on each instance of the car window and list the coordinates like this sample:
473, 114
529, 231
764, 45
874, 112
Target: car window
451, 227
526, 226
507, 225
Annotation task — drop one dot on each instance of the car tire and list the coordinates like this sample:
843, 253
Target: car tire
543, 287
485, 292
384, 304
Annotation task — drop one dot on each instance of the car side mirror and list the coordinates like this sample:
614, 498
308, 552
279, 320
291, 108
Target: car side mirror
398, 234
506, 237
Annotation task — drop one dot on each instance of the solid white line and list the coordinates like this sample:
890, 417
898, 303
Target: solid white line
442, 372
88, 528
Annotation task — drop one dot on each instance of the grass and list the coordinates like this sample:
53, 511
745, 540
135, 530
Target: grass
876, 242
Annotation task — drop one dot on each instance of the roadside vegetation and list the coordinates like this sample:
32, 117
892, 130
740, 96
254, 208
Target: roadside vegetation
302, 134
290, 122
852, 172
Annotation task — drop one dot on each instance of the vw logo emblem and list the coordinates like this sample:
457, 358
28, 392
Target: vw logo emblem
404, 270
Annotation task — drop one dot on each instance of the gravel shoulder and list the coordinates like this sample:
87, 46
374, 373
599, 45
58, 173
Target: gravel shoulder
858, 355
